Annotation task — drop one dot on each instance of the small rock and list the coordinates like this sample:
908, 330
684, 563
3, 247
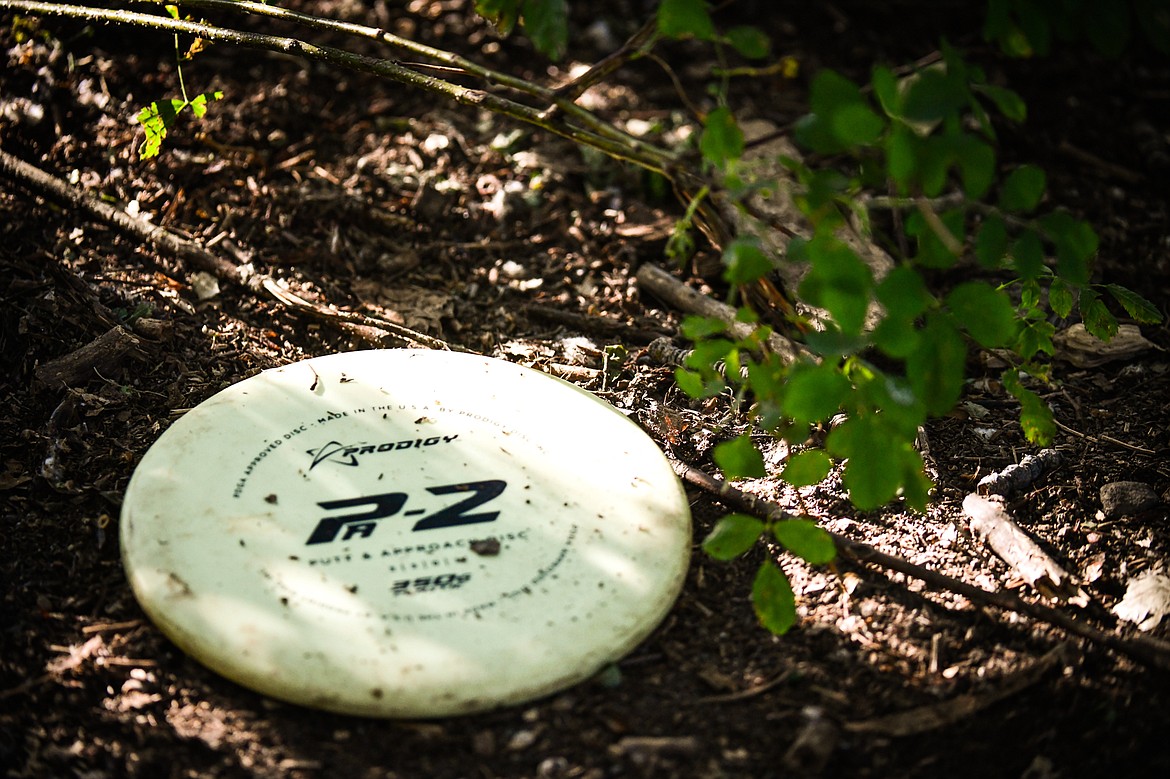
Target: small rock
552, 767
521, 740
1121, 498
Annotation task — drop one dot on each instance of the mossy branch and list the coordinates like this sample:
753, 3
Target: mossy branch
554, 99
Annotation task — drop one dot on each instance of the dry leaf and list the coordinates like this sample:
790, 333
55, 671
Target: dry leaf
1147, 599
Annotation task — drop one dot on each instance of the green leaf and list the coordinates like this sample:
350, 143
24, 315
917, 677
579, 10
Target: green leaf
1009, 103
1061, 298
814, 392
1029, 294
838, 281
739, 458
933, 250
683, 18
502, 13
773, 600
1076, 242
547, 23
903, 293
935, 155
722, 140
985, 312
1140, 309
733, 535
750, 42
1022, 190
707, 352
831, 342
916, 486
932, 96
901, 159
695, 386
991, 242
199, 103
1027, 253
976, 162
156, 119
807, 468
885, 88
937, 367
1035, 337
805, 539
744, 261
696, 328
831, 91
1035, 416
896, 336
1096, 317
856, 124
872, 476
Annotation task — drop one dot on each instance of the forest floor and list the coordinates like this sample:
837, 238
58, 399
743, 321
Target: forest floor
379, 199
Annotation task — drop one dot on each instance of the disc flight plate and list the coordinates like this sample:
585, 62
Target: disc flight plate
405, 533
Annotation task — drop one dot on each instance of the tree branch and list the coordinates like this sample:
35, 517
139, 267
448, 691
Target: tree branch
1149, 651
621, 146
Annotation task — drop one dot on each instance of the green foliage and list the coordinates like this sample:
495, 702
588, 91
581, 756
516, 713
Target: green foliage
1027, 28
773, 599
739, 458
733, 535
805, 539
929, 135
807, 468
546, 22
685, 19
722, 141
158, 117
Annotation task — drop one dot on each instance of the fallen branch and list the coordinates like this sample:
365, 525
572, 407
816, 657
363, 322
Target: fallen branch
100, 357
670, 290
42, 183
1149, 651
374, 331
989, 519
919, 720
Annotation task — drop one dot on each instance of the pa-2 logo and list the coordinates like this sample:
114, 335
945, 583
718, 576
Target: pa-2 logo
362, 524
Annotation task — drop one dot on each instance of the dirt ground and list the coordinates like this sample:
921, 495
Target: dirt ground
507, 242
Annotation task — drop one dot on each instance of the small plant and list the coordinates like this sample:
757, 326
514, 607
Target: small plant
158, 117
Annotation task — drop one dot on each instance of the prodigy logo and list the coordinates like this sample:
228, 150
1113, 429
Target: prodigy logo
349, 454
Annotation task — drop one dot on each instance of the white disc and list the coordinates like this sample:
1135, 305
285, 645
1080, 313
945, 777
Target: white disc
405, 533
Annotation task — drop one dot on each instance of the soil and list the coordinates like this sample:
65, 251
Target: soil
451, 222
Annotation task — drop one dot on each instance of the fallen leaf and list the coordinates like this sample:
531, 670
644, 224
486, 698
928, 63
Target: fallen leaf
1147, 599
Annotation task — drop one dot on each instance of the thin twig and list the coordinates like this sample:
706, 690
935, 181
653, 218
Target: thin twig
52, 187
377, 332
1103, 437
634, 47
